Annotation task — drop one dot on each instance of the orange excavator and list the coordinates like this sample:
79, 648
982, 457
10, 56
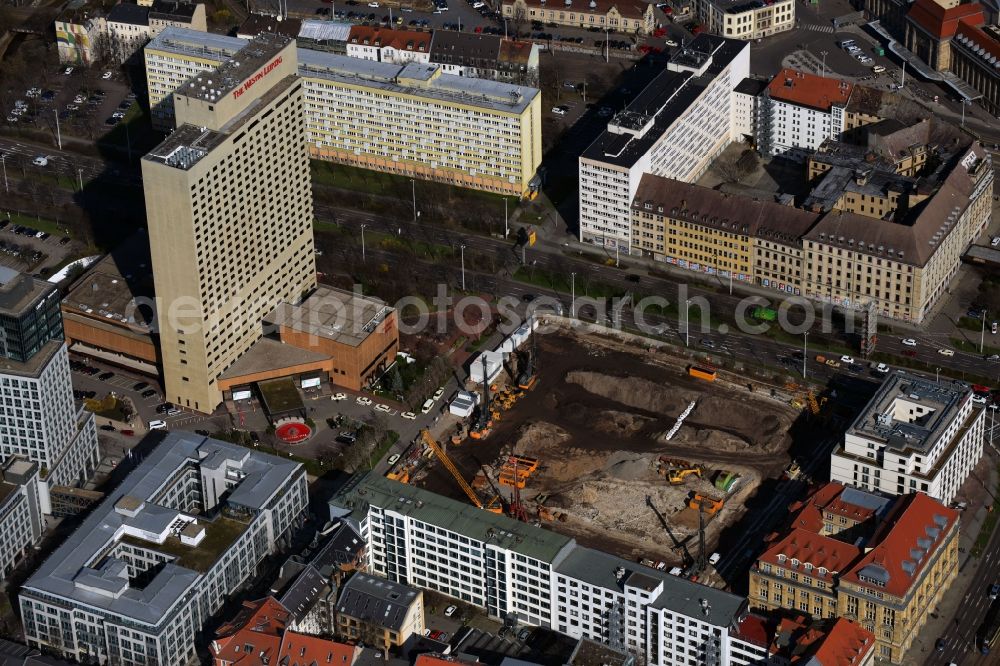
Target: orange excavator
492, 505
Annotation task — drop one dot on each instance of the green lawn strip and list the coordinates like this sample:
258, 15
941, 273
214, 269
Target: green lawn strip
39, 224
972, 347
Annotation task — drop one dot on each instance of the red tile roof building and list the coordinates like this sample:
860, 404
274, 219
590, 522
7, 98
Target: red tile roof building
304, 650
974, 54
809, 90
887, 584
930, 28
252, 636
257, 636
833, 509
399, 47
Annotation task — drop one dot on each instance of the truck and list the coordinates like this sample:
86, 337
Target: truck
708, 374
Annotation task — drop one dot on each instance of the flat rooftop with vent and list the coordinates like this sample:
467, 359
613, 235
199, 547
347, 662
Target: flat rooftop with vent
916, 434
183, 530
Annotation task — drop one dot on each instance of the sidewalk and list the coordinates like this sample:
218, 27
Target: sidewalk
941, 616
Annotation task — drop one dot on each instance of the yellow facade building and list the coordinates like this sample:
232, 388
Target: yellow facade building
229, 203
409, 119
888, 584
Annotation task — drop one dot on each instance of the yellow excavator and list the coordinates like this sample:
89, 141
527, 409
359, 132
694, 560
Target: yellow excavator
493, 505
678, 476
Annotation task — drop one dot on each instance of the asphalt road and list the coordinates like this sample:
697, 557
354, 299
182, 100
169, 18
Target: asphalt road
960, 647
757, 348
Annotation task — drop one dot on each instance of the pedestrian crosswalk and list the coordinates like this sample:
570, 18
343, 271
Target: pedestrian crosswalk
818, 28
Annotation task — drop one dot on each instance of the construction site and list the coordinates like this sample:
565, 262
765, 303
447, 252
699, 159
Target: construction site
630, 450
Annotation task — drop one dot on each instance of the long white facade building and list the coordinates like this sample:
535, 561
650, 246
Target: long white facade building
409, 119
673, 128
21, 520
915, 435
38, 418
509, 568
134, 584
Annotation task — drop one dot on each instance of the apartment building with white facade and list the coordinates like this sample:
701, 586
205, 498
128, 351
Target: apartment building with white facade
136, 581
509, 568
39, 419
915, 435
372, 42
747, 19
21, 519
673, 128
799, 111
413, 119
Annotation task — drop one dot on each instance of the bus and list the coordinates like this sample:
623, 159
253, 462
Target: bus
989, 630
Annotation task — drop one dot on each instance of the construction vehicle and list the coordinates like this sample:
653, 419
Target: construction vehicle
726, 481
515, 471
677, 476
517, 509
815, 405
528, 376
402, 475
493, 505
708, 374
484, 424
793, 471
710, 505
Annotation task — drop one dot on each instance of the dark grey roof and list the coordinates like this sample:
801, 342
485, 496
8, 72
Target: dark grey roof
125, 12
664, 100
172, 11
78, 571
376, 600
15, 654
677, 595
342, 547
301, 595
750, 86
450, 47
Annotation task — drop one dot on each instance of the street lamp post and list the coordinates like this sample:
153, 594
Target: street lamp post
982, 335
805, 352
363, 241
79, 177
506, 227
58, 131
3, 160
937, 375
687, 327
413, 184
902, 78
462, 249
572, 295
964, 102
823, 53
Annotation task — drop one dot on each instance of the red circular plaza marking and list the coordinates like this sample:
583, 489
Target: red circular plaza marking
293, 433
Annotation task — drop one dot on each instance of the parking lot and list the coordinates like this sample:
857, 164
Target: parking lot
27, 249
79, 101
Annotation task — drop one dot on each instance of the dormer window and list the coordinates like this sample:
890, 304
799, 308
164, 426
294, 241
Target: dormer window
781, 558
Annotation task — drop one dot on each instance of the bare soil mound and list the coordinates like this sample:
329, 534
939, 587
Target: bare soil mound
621, 424
634, 392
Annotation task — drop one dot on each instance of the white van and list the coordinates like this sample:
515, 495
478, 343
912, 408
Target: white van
878, 69
157, 425
428, 405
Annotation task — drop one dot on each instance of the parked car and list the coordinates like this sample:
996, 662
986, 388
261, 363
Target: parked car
847, 359
524, 634
946, 352
382, 408
994, 590
909, 342
450, 610
108, 427
148, 393
438, 394
393, 459
409, 416
105, 376
714, 559
162, 409
363, 400
157, 425
140, 386
560, 110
